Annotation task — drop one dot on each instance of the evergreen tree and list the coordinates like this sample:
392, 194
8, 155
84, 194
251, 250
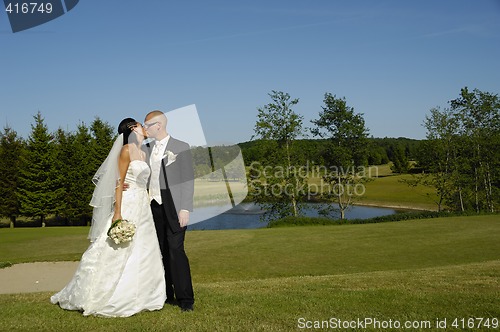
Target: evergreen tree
102, 138
38, 191
78, 156
11, 147
83, 169
101, 141
64, 173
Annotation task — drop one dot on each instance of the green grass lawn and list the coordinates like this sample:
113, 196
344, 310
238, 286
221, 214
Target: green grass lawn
387, 189
19, 245
276, 279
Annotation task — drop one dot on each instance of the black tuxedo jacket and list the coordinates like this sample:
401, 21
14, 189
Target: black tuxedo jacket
176, 181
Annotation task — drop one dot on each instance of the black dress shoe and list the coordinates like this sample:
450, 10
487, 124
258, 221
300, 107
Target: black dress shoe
187, 307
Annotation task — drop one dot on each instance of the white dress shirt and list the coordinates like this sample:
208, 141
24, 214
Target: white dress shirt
155, 163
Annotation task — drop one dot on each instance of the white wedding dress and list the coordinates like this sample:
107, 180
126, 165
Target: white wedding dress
121, 280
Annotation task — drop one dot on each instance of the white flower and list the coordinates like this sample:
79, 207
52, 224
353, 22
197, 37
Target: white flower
170, 157
121, 231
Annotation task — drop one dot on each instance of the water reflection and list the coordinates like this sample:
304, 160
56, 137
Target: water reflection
247, 215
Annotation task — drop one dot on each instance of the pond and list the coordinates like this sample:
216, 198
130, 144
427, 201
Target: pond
247, 215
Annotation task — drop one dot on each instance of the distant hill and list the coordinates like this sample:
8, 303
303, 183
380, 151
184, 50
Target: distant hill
381, 149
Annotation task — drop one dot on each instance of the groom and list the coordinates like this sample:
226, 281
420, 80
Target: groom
171, 190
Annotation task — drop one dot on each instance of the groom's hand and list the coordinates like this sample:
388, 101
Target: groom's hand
183, 218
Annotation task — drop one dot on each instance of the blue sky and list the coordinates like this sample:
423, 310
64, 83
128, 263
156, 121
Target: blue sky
391, 60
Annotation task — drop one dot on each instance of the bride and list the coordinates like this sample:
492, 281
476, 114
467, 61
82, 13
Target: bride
119, 280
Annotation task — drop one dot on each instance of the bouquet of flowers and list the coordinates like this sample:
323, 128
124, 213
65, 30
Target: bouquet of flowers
121, 231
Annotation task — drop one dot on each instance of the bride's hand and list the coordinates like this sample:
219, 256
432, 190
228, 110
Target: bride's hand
116, 217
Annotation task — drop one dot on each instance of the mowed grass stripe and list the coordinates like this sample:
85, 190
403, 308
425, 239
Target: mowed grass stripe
278, 304
234, 255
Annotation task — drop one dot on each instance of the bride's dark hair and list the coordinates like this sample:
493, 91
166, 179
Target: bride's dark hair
126, 127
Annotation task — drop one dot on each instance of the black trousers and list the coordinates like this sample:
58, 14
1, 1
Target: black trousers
175, 260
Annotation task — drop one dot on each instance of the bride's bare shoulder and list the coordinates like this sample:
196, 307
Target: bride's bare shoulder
125, 153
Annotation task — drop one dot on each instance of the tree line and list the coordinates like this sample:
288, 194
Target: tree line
400, 151
49, 174
459, 159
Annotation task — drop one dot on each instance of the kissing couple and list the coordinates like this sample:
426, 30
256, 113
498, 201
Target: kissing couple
150, 186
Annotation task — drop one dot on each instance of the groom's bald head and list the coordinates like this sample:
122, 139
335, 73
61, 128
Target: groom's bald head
156, 124
157, 116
